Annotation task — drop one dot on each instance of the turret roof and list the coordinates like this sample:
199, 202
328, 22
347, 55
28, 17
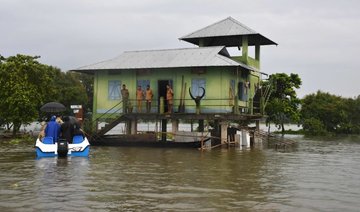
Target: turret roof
227, 32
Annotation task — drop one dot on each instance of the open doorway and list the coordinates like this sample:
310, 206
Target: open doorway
162, 92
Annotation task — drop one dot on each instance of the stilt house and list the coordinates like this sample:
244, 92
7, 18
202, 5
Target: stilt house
227, 87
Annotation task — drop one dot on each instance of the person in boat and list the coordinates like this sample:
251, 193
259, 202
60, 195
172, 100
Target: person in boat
59, 120
67, 130
78, 130
42, 130
52, 129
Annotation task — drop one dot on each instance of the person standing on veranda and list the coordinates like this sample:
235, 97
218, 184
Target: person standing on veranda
139, 98
169, 98
148, 97
125, 98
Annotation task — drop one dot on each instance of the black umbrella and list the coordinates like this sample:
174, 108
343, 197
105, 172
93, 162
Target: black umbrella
53, 107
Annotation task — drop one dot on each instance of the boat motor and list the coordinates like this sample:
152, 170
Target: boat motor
62, 148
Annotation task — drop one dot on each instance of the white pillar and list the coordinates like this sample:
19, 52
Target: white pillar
224, 126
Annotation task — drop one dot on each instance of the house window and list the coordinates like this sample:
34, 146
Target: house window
143, 84
196, 85
242, 91
114, 90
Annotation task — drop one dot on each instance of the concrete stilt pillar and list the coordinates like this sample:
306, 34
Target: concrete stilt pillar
245, 140
257, 122
163, 129
224, 126
216, 126
201, 125
133, 130
128, 127
175, 127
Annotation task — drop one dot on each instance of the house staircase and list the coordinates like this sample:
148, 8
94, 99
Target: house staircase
261, 97
112, 117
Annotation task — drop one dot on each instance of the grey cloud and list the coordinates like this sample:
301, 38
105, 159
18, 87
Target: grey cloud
317, 39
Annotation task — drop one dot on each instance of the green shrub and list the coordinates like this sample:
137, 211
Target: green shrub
314, 126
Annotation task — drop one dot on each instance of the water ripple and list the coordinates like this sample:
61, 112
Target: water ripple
321, 175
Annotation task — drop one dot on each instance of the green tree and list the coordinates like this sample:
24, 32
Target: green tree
87, 82
283, 102
313, 126
352, 108
329, 109
69, 90
24, 84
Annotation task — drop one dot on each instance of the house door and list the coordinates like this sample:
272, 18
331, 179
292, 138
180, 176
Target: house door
162, 92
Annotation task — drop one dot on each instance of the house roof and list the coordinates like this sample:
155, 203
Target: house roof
169, 58
227, 32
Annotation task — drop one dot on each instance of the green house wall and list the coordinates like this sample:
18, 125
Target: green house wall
217, 86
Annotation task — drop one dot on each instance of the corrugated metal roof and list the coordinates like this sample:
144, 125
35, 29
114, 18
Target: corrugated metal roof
170, 58
226, 32
226, 27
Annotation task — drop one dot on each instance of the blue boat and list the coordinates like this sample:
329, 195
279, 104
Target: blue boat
80, 147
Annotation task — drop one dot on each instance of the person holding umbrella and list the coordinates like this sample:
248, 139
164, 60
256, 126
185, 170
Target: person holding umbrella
52, 128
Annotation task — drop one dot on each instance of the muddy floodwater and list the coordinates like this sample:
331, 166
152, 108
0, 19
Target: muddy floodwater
318, 175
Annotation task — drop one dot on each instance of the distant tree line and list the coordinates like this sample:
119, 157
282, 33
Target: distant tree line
26, 84
319, 114
324, 113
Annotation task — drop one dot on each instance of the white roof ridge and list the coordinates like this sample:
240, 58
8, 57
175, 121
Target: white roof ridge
159, 50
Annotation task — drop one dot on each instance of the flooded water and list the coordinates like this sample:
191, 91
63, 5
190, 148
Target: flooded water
320, 175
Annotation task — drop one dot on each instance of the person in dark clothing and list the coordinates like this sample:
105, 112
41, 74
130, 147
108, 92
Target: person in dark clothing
67, 130
52, 129
77, 130
231, 131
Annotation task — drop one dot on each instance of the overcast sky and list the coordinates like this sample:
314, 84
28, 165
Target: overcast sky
318, 39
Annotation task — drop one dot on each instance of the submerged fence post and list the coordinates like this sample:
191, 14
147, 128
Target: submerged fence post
163, 129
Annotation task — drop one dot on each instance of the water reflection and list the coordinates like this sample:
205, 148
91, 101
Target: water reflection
59, 181
175, 179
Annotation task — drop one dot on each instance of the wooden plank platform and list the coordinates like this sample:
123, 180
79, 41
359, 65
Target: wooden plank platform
142, 140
